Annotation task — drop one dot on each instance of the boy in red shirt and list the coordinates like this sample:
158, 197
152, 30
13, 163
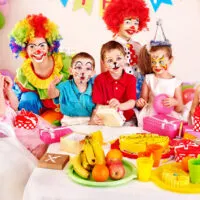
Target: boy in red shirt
114, 87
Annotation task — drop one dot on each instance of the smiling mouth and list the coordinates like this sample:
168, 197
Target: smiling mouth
38, 57
157, 70
130, 31
82, 78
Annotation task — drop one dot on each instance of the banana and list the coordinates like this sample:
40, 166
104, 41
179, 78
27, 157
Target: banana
78, 167
98, 151
89, 152
84, 161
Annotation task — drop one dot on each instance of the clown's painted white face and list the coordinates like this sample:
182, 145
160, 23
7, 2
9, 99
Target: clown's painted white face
37, 49
128, 28
82, 70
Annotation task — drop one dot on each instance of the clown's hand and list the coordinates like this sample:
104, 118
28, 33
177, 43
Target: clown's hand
53, 92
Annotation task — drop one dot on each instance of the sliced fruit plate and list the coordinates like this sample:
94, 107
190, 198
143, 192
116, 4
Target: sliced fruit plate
130, 174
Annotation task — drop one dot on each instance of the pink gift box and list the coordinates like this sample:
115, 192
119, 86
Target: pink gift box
189, 129
53, 135
162, 125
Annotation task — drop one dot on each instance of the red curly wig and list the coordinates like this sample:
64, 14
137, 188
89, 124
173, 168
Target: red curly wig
118, 10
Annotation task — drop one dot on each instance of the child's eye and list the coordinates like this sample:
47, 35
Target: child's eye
127, 22
109, 61
153, 63
119, 58
162, 62
136, 23
78, 67
89, 69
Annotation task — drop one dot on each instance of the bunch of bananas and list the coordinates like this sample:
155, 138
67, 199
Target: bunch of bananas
91, 154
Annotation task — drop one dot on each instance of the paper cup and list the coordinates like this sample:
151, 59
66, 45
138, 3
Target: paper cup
194, 170
144, 167
156, 151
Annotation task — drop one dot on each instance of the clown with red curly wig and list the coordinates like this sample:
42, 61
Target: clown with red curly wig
37, 40
126, 18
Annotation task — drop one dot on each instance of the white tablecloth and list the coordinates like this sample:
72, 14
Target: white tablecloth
46, 184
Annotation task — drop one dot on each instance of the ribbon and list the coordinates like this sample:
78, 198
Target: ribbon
52, 158
50, 131
86, 4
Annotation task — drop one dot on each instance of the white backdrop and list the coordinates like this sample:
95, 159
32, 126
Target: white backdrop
83, 32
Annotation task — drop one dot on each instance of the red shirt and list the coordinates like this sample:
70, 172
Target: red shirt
105, 88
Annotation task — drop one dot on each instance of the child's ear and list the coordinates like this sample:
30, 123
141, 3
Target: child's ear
171, 60
70, 70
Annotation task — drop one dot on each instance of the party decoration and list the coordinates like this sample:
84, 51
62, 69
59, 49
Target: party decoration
6, 72
158, 104
4, 7
2, 21
188, 95
86, 4
156, 3
26, 119
103, 4
64, 2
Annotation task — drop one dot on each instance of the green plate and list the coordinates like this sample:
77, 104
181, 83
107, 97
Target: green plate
130, 174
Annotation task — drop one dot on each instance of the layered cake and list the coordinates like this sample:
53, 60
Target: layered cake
135, 143
175, 177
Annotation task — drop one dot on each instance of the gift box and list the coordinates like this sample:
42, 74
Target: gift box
25, 119
53, 135
162, 125
196, 118
189, 133
182, 151
53, 161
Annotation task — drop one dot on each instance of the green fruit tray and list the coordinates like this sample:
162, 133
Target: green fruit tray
130, 174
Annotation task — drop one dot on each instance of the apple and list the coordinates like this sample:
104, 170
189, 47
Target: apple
116, 171
110, 161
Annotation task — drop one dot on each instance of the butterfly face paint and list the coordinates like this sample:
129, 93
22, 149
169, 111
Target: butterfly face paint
82, 70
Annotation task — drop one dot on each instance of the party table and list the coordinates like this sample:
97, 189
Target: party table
47, 184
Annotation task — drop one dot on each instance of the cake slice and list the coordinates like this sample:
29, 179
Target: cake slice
110, 116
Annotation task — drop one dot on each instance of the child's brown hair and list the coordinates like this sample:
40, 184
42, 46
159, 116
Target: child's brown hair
83, 55
144, 60
111, 45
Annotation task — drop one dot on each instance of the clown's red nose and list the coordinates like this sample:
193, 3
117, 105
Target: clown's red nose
38, 51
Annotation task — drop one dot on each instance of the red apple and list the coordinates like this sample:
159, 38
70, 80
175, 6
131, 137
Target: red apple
110, 161
116, 171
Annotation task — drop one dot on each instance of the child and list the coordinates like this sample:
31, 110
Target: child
161, 81
115, 87
75, 95
195, 103
8, 105
130, 17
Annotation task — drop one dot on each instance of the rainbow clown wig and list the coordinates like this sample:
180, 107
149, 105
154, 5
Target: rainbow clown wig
118, 10
30, 27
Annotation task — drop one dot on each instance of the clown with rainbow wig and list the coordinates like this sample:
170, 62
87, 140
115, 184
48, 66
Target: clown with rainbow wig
37, 40
126, 18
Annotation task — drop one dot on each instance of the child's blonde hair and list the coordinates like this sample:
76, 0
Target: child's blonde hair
145, 57
111, 45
